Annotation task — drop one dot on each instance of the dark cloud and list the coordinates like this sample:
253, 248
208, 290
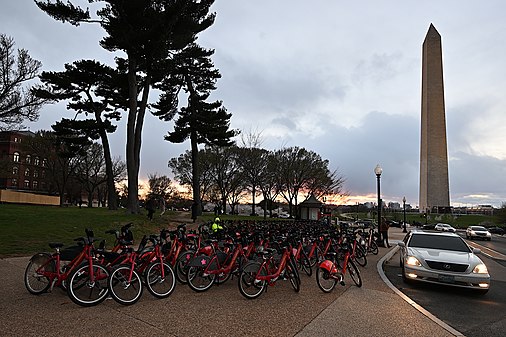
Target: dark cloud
339, 78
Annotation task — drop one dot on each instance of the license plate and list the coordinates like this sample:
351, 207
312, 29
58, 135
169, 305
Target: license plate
446, 278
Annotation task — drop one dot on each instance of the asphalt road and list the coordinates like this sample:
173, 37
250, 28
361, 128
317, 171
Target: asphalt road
472, 314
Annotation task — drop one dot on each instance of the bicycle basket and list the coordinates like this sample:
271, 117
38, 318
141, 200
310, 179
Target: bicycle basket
70, 253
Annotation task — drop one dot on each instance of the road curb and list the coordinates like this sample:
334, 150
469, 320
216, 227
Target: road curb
415, 305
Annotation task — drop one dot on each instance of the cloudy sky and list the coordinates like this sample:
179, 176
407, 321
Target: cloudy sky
341, 78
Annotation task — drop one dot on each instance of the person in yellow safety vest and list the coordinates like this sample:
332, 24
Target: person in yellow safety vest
216, 225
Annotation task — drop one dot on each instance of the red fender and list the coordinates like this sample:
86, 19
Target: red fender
328, 266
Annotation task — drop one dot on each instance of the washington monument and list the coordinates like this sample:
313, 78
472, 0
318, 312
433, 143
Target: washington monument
434, 186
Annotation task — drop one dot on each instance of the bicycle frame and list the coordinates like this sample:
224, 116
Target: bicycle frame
57, 277
268, 265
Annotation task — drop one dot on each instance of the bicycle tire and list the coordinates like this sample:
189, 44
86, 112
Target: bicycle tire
324, 280
249, 286
123, 291
373, 248
198, 280
360, 257
158, 286
293, 276
181, 268
84, 292
305, 264
354, 273
36, 283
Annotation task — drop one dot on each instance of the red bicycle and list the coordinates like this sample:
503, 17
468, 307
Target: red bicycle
329, 271
255, 276
83, 277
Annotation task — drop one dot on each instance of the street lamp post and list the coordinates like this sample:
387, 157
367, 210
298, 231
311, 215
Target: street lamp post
378, 170
404, 208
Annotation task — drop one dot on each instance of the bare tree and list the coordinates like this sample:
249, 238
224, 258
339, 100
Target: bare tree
17, 101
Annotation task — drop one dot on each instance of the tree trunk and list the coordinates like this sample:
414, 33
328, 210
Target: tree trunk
197, 205
132, 175
111, 201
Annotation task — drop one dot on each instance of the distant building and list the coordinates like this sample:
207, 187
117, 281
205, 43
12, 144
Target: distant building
20, 169
22, 174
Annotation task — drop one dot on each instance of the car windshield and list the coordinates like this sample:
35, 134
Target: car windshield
478, 228
442, 242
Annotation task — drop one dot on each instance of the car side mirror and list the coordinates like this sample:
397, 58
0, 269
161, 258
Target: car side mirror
476, 251
401, 244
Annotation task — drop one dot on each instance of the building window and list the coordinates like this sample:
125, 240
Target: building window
15, 171
44, 162
43, 174
14, 182
35, 184
27, 172
42, 185
27, 183
17, 140
16, 157
28, 159
35, 174
36, 161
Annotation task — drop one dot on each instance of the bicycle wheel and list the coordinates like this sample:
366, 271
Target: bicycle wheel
249, 286
373, 248
325, 280
182, 265
312, 259
305, 264
85, 292
158, 285
354, 273
293, 276
36, 283
122, 290
198, 280
360, 257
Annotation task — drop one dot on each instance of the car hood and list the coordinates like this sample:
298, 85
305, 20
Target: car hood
444, 255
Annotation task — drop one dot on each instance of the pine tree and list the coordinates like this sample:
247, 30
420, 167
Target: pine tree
148, 32
200, 121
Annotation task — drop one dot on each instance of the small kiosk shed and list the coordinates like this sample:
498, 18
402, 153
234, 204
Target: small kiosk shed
310, 208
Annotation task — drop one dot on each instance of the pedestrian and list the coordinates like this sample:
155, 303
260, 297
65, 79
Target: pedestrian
384, 232
217, 227
150, 207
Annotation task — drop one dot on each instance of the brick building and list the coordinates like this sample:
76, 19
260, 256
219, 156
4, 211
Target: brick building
19, 169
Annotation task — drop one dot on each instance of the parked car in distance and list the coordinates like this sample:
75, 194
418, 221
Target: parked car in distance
393, 223
428, 226
444, 227
496, 230
478, 232
442, 258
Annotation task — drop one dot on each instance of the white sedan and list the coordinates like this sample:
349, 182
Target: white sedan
479, 232
444, 228
443, 258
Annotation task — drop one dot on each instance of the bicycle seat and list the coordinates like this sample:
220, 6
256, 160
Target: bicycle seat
56, 245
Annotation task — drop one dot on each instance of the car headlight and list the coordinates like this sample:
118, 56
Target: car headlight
480, 269
412, 261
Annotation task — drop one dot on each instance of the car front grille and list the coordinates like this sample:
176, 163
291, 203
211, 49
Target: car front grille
456, 267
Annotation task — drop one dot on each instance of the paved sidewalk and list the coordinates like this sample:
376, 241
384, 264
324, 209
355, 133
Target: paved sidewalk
372, 310
375, 309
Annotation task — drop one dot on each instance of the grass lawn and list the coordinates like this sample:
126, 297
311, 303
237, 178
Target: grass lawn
27, 229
